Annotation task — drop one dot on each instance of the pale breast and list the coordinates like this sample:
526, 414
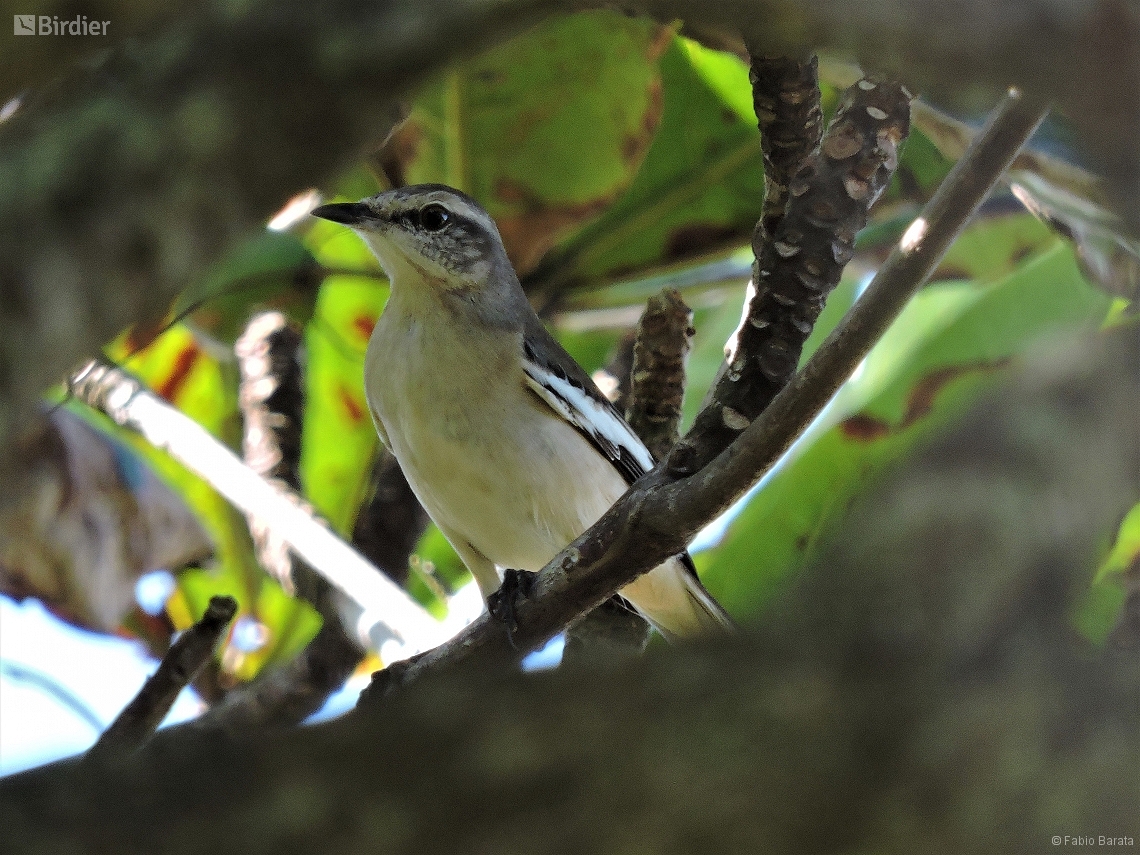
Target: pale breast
489, 461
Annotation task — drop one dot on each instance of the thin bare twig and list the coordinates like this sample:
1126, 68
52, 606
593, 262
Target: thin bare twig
288, 694
142, 716
659, 514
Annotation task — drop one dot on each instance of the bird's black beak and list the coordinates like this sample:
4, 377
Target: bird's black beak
348, 213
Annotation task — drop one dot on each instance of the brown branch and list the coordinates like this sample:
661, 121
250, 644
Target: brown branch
657, 388
785, 96
904, 272
290, 693
192, 650
658, 516
799, 265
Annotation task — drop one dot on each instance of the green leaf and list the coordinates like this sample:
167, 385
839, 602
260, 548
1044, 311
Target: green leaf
545, 130
994, 248
1126, 551
702, 182
338, 437
949, 343
433, 547
591, 348
1098, 610
701, 187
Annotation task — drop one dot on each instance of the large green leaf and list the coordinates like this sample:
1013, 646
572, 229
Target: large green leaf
947, 345
702, 181
545, 130
993, 249
339, 439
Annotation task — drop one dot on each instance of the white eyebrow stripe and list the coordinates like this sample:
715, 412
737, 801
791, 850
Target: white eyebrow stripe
464, 209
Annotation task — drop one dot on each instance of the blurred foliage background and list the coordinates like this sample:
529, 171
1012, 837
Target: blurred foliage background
618, 157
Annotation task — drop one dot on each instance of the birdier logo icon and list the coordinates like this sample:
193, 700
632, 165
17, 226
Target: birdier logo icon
24, 25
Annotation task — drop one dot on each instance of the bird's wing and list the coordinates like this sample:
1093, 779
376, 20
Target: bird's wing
560, 382
554, 376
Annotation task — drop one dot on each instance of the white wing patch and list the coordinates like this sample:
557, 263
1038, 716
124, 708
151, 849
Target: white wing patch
596, 420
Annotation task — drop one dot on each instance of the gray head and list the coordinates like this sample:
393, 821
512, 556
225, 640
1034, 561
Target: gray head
430, 235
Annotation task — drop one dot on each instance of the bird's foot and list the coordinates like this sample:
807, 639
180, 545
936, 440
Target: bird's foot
503, 604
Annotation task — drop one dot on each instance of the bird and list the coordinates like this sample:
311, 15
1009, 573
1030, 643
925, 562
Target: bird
503, 437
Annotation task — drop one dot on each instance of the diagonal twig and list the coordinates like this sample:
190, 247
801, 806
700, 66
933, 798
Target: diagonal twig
914, 258
658, 515
288, 694
192, 650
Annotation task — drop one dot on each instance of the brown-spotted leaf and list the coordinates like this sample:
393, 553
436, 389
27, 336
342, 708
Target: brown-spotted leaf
545, 130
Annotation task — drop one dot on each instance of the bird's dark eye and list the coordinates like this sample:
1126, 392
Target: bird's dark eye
434, 218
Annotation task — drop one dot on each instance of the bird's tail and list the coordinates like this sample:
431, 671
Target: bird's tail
672, 598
